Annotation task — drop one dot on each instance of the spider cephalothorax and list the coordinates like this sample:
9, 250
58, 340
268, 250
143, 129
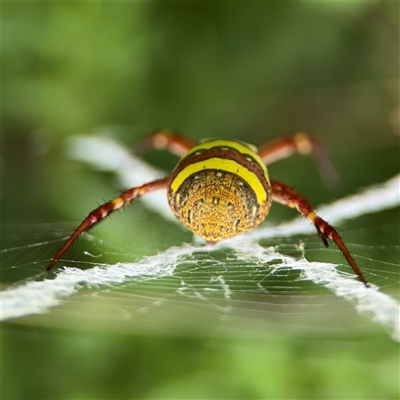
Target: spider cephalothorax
221, 188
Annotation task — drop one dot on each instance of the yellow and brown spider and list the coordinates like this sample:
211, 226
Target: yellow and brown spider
221, 188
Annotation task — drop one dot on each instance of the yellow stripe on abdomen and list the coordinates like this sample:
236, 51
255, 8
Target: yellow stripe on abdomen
224, 165
245, 149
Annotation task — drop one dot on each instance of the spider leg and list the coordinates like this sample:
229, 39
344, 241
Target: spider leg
304, 144
283, 194
166, 139
103, 211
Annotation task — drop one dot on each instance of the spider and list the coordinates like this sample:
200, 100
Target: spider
221, 188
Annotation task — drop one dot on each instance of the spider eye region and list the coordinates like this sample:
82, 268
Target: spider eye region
220, 189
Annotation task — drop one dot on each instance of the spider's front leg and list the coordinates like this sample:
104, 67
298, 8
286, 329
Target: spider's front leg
103, 211
166, 139
284, 194
301, 143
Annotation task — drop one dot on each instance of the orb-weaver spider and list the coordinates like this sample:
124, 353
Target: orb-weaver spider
221, 188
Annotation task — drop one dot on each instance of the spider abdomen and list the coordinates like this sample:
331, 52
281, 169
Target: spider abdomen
220, 189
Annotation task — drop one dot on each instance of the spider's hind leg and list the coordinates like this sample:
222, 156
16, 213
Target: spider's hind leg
284, 194
104, 210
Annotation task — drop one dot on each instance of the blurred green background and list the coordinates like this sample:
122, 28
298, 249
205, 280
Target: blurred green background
247, 70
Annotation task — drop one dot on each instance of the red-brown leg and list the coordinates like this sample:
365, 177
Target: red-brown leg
168, 140
103, 211
304, 144
285, 195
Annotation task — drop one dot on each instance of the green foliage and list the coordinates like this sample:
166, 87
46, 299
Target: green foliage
249, 70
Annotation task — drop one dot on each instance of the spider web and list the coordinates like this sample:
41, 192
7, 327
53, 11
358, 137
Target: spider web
240, 281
